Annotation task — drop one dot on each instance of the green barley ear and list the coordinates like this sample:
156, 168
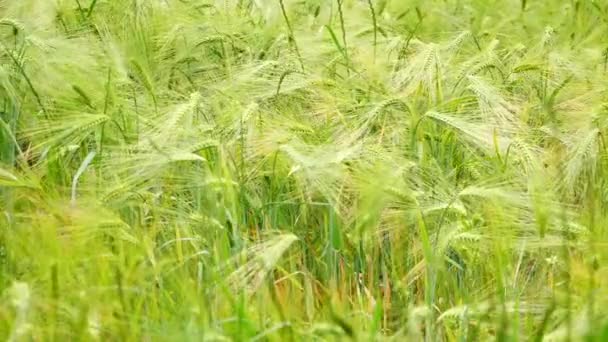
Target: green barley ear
10, 179
85, 98
63, 132
145, 79
262, 258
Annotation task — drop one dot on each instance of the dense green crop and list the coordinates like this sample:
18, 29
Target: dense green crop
276, 170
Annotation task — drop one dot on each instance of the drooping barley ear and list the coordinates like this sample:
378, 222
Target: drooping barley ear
281, 79
292, 38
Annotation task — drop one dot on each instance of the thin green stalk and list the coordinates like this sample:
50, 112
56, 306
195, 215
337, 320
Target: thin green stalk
430, 278
292, 37
334, 39
81, 10
8, 131
91, 8
375, 23
105, 111
341, 17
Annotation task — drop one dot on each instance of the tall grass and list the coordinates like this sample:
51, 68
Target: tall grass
303, 170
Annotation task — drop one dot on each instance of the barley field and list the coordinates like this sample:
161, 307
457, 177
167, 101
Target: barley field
303, 170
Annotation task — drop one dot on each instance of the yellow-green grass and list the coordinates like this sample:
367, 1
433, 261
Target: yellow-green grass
304, 170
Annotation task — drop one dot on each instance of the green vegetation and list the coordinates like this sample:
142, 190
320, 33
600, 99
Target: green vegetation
303, 170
